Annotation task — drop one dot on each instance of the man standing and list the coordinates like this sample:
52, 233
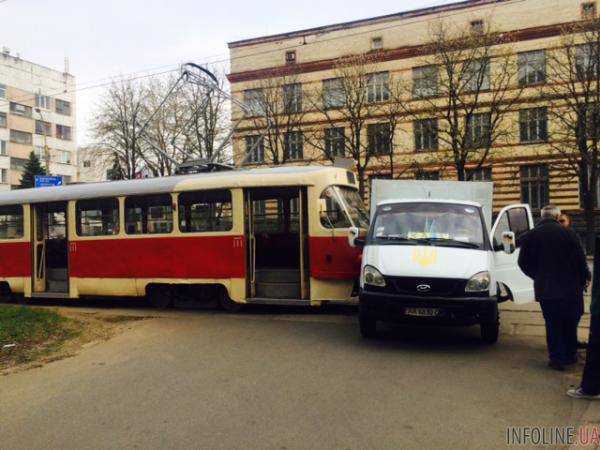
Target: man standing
553, 257
590, 384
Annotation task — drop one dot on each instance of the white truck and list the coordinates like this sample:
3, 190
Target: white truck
430, 256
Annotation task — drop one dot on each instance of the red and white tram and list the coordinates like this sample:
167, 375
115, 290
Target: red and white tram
272, 235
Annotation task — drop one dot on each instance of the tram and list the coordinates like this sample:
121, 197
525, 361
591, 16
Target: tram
269, 235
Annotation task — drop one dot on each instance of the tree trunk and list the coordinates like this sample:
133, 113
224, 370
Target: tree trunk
361, 181
590, 232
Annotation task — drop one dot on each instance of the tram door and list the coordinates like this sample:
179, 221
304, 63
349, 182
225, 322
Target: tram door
277, 236
50, 248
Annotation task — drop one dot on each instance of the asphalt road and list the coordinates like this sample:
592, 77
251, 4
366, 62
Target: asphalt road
280, 380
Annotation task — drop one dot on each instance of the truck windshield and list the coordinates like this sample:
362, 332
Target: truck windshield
437, 224
355, 206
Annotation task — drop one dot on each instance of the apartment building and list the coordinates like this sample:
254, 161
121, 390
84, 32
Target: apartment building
37, 113
522, 169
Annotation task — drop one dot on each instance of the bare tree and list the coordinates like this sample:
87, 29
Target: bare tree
469, 86
573, 97
275, 109
155, 125
348, 104
116, 125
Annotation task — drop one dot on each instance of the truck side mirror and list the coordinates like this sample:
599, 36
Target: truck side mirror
353, 237
509, 243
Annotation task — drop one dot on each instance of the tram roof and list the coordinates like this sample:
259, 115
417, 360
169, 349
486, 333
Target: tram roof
263, 177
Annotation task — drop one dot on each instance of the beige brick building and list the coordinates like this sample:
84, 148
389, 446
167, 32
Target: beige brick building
37, 113
522, 168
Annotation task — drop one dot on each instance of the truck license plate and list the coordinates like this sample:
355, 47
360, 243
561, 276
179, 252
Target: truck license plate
422, 312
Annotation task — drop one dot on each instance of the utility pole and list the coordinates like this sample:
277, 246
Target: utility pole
46, 149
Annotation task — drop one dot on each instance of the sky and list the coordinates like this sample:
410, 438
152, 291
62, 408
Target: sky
109, 39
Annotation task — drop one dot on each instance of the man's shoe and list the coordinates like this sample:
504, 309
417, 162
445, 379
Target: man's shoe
579, 394
582, 345
555, 365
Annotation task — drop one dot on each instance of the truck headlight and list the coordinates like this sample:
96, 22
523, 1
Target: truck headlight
480, 282
373, 276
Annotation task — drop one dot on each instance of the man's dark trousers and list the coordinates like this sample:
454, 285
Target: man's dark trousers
591, 374
561, 329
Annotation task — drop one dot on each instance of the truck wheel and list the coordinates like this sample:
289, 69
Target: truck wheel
490, 330
160, 297
368, 326
227, 303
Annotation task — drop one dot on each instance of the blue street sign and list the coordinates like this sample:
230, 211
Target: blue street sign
47, 181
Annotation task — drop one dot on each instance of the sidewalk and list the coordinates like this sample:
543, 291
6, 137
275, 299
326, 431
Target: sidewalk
527, 320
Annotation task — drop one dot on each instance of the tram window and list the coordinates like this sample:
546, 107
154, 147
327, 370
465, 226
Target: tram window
11, 222
98, 217
332, 214
149, 215
205, 211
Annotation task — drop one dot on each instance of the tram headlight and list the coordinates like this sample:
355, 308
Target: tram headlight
373, 276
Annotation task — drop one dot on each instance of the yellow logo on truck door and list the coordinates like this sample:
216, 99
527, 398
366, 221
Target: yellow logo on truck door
424, 257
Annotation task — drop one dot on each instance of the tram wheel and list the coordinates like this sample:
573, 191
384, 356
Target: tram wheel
160, 297
227, 303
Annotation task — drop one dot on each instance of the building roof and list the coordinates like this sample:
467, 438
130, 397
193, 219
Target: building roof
278, 176
362, 22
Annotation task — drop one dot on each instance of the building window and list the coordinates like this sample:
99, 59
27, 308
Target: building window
87, 164
292, 98
4, 176
334, 94
2, 148
430, 175
11, 220
426, 134
20, 110
290, 57
588, 10
478, 127
379, 138
335, 142
20, 137
533, 124
477, 26
254, 100
205, 211
63, 132
255, 149
62, 157
149, 215
477, 75
481, 174
63, 107
586, 61
535, 188
376, 43
18, 163
425, 81
42, 101
97, 217
293, 145
2, 90
44, 128
2, 120
378, 88
532, 67
40, 152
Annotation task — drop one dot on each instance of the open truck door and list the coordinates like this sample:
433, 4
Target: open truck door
512, 223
